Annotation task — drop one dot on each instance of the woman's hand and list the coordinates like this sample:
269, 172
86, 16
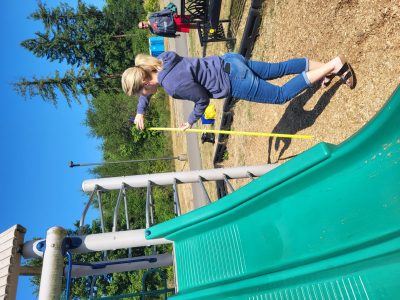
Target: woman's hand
185, 126
139, 121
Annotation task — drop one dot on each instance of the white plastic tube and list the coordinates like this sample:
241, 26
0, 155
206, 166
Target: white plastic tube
99, 242
115, 183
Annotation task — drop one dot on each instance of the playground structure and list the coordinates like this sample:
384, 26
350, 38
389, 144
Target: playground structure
324, 225
60, 245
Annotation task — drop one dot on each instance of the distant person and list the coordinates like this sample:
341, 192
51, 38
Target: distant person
199, 79
166, 23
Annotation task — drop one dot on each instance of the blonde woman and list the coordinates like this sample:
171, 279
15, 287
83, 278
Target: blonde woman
199, 79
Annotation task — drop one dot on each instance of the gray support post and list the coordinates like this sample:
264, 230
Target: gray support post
203, 188
82, 222
151, 204
250, 175
126, 208
101, 218
115, 217
92, 284
53, 265
126, 217
228, 184
148, 200
101, 211
177, 206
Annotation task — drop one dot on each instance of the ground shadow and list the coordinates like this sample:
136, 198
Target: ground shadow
296, 118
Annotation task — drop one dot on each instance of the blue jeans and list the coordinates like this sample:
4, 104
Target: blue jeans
248, 77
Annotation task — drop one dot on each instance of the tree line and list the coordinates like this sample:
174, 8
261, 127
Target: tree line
97, 45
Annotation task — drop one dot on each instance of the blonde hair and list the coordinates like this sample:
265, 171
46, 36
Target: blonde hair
133, 78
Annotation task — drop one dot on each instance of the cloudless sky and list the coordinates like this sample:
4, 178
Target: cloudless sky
38, 189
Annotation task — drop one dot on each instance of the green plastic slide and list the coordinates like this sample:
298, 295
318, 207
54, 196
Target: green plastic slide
324, 225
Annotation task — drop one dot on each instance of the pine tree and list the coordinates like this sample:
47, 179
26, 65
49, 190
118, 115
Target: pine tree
75, 36
71, 85
64, 14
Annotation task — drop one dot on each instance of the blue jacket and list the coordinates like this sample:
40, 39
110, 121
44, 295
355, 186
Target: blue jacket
195, 79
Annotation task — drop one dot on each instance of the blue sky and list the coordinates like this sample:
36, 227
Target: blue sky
39, 190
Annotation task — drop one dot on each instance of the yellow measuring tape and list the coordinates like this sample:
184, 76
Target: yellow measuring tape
281, 135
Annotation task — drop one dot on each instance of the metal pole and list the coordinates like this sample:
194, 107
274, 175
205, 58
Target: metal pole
181, 157
228, 184
53, 265
101, 211
114, 228
203, 188
126, 217
82, 221
177, 206
148, 196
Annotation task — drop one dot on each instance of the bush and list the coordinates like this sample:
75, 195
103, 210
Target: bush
151, 5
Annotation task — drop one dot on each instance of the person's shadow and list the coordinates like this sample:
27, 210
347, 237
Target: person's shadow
296, 118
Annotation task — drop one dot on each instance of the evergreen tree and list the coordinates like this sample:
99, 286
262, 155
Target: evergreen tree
63, 14
46, 87
86, 35
71, 85
74, 35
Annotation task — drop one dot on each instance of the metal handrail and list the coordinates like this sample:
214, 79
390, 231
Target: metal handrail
203, 188
82, 221
127, 217
250, 175
103, 230
228, 184
101, 210
115, 217
177, 206
148, 199
126, 209
92, 284
151, 211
